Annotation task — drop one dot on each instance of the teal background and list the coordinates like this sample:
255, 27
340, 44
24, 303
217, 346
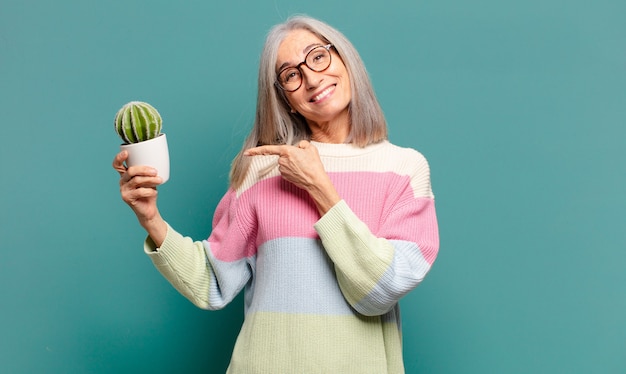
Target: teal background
519, 106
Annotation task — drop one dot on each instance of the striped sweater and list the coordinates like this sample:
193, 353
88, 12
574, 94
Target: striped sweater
321, 294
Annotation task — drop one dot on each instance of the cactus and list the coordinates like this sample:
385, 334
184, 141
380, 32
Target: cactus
137, 121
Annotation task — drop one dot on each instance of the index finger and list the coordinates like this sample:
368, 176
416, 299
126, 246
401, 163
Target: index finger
278, 150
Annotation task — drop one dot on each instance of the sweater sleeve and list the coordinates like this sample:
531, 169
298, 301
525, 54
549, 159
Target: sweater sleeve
375, 271
210, 273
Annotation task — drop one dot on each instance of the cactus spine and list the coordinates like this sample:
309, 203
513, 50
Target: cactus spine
137, 121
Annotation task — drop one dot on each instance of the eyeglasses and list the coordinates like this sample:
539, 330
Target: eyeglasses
318, 59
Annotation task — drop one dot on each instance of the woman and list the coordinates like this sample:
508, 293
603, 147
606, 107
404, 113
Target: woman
326, 225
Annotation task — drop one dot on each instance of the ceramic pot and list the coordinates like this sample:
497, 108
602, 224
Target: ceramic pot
153, 153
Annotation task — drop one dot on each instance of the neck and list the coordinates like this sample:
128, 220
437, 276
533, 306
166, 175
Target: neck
335, 131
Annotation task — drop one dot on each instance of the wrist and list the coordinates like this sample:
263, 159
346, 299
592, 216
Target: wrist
156, 228
325, 197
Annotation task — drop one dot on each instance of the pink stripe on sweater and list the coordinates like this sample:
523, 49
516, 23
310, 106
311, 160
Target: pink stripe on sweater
274, 208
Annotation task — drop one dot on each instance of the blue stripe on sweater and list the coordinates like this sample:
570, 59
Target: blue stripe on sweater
407, 270
297, 277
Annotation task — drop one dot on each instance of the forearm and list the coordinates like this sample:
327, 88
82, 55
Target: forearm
193, 268
156, 228
373, 273
324, 195
359, 262
183, 263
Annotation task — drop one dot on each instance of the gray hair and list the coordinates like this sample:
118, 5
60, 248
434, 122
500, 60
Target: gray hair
275, 124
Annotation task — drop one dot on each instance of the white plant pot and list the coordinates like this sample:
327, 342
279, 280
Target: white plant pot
153, 153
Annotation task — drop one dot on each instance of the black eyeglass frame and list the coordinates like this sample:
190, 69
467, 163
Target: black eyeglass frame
299, 67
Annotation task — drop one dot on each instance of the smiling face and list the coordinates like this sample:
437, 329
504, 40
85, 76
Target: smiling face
324, 97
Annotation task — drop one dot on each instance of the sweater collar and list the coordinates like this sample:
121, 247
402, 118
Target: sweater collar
346, 149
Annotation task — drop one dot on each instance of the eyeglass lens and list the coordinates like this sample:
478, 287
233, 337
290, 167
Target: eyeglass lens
318, 59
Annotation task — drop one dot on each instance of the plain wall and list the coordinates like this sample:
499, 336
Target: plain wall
519, 106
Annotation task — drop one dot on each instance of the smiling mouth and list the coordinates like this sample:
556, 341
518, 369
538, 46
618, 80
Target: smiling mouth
322, 94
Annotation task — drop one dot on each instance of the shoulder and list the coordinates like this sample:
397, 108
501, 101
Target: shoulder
413, 164
405, 152
405, 160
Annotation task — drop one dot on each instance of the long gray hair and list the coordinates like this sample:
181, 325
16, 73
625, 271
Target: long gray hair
275, 124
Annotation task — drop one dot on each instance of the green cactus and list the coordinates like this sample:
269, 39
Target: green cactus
137, 121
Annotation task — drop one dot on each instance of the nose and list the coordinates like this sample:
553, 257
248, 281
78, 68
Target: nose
310, 78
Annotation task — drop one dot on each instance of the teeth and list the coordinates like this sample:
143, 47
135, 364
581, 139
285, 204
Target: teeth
323, 93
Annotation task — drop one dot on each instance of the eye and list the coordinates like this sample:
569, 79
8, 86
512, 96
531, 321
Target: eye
318, 57
290, 75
